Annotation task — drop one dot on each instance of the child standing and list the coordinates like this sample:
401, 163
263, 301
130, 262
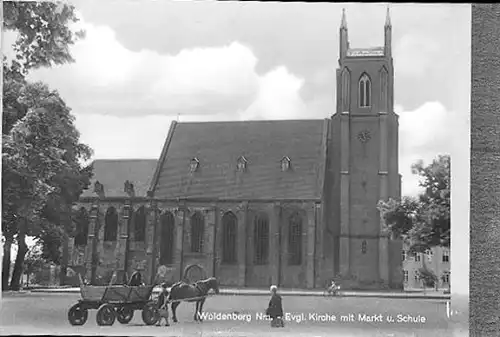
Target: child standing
163, 304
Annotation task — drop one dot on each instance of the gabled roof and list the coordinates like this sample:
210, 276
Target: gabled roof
113, 173
218, 145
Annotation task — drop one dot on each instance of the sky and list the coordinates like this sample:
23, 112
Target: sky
144, 64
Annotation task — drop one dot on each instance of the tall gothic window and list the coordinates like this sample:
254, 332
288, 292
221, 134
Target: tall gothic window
167, 222
110, 224
229, 234
140, 224
346, 87
365, 87
363, 247
197, 232
261, 239
82, 227
295, 240
383, 90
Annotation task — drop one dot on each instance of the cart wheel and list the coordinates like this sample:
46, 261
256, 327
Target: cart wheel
124, 315
77, 315
106, 315
150, 314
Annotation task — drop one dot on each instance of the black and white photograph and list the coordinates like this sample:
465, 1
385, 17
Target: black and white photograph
205, 168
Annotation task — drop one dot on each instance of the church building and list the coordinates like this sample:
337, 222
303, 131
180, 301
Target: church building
254, 203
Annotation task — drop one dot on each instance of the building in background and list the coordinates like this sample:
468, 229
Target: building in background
436, 260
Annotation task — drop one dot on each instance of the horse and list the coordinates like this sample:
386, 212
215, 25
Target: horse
195, 292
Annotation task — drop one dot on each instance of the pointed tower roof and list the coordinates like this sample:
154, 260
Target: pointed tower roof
388, 18
343, 23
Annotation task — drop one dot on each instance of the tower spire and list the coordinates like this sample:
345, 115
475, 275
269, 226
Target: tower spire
344, 38
343, 23
388, 34
388, 18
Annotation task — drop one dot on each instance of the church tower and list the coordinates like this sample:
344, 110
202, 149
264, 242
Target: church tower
365, 134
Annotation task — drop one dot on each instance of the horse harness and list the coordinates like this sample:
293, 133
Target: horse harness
202, 288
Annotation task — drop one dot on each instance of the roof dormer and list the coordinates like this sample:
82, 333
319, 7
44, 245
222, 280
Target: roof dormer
241, 164
194, 165
285, 164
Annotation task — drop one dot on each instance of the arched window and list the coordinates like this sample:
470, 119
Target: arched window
363, 247
167, 222
295, 240
365, 87
110, 224
346, 95
197, 232
229, 234
384, 76
261, 239
140, 224
82, 227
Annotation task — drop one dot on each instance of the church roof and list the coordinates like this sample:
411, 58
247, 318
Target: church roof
243, 160
113, 173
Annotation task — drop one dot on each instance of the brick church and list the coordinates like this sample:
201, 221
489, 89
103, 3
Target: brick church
254, 203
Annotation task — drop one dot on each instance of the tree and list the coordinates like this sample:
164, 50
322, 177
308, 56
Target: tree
436, 199
51, 238
423, 222
23, 195
44, 33
428, 278
43, 39
42, 159
33, 262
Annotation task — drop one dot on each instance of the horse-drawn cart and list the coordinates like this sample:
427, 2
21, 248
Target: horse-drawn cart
114, 302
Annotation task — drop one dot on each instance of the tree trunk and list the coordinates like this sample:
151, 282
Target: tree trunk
15, 282
6, 263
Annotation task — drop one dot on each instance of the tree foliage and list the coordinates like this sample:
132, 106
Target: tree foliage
436, 199
424, 221
428, 277
41, 153
42, 166
43, 32
33, 261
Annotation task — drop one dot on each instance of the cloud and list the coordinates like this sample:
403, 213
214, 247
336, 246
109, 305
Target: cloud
278, 97
425, 133
134, 137
414, 55
123, 137
107, 78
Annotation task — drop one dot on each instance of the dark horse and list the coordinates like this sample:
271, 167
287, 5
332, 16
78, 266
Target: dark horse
196, 292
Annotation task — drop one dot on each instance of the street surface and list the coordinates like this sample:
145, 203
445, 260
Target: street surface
46, 313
